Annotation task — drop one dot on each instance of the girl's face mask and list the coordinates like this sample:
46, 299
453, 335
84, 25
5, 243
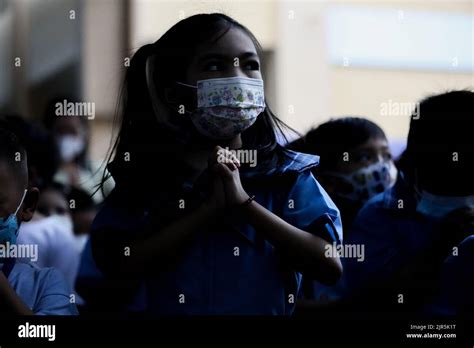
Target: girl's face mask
368, 181
227, 106
9, 226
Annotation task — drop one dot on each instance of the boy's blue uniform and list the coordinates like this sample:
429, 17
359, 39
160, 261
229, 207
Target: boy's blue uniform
231, 269
43, 290
456, 295
392, 232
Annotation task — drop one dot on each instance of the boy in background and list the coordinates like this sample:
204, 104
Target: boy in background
24, 288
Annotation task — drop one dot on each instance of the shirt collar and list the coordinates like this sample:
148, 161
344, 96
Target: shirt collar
401, 192
293, 162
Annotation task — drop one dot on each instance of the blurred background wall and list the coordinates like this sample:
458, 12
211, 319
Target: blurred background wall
322, 59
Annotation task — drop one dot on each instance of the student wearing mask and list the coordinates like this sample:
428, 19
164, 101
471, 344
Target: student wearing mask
355, 162
24, 288
209, 234
400, 224
82, 215
51, 229
355, 165
72, 135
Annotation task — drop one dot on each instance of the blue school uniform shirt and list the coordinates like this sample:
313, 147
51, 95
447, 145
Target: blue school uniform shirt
43, 290
233, 270
392, 232
456, 284
90, 277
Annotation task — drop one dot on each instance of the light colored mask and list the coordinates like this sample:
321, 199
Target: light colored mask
368, 181
439, 206
70, 146
227, 106
9, 226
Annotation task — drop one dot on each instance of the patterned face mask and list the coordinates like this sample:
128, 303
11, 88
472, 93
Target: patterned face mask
227, 106
368, 181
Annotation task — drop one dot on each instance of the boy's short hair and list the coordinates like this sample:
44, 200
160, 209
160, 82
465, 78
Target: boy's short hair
440, 141
43, 155
336, 136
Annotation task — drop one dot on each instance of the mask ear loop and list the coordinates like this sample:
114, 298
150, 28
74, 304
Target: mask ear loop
21, 202
186, 85
18, 208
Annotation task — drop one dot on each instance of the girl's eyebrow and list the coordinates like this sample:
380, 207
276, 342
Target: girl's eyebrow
221, 56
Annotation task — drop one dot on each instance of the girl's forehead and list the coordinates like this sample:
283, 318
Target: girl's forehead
234, 43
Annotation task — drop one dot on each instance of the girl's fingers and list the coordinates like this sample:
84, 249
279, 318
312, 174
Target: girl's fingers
223, 170
230, 160
221, 155
214, 158
231, 166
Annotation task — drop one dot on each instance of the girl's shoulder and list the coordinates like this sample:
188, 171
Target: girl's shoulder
119, 210
299, 162
289, 163
294, 171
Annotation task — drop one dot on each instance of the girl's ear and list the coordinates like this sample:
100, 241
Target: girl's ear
181, 96
29, 204
170, 95
161, 112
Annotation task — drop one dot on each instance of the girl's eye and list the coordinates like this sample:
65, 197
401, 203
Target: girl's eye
363, 158
387, 156
252, 65
212, 67
44, 211
60, 211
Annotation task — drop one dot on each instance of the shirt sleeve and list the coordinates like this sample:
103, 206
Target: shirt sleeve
54, 296
113, 229
456, 283
310, 208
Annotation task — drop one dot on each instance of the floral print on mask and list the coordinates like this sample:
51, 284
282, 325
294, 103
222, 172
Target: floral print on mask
236, 92
227, 106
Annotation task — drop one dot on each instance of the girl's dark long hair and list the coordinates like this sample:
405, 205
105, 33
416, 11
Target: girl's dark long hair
145, 149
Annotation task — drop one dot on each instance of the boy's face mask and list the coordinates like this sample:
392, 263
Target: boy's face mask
9, 226
439, 206
227, 106
368, 181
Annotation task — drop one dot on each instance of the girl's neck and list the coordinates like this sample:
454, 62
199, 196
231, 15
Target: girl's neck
233, 143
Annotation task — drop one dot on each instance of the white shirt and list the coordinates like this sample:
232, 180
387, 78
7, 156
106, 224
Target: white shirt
57, 246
